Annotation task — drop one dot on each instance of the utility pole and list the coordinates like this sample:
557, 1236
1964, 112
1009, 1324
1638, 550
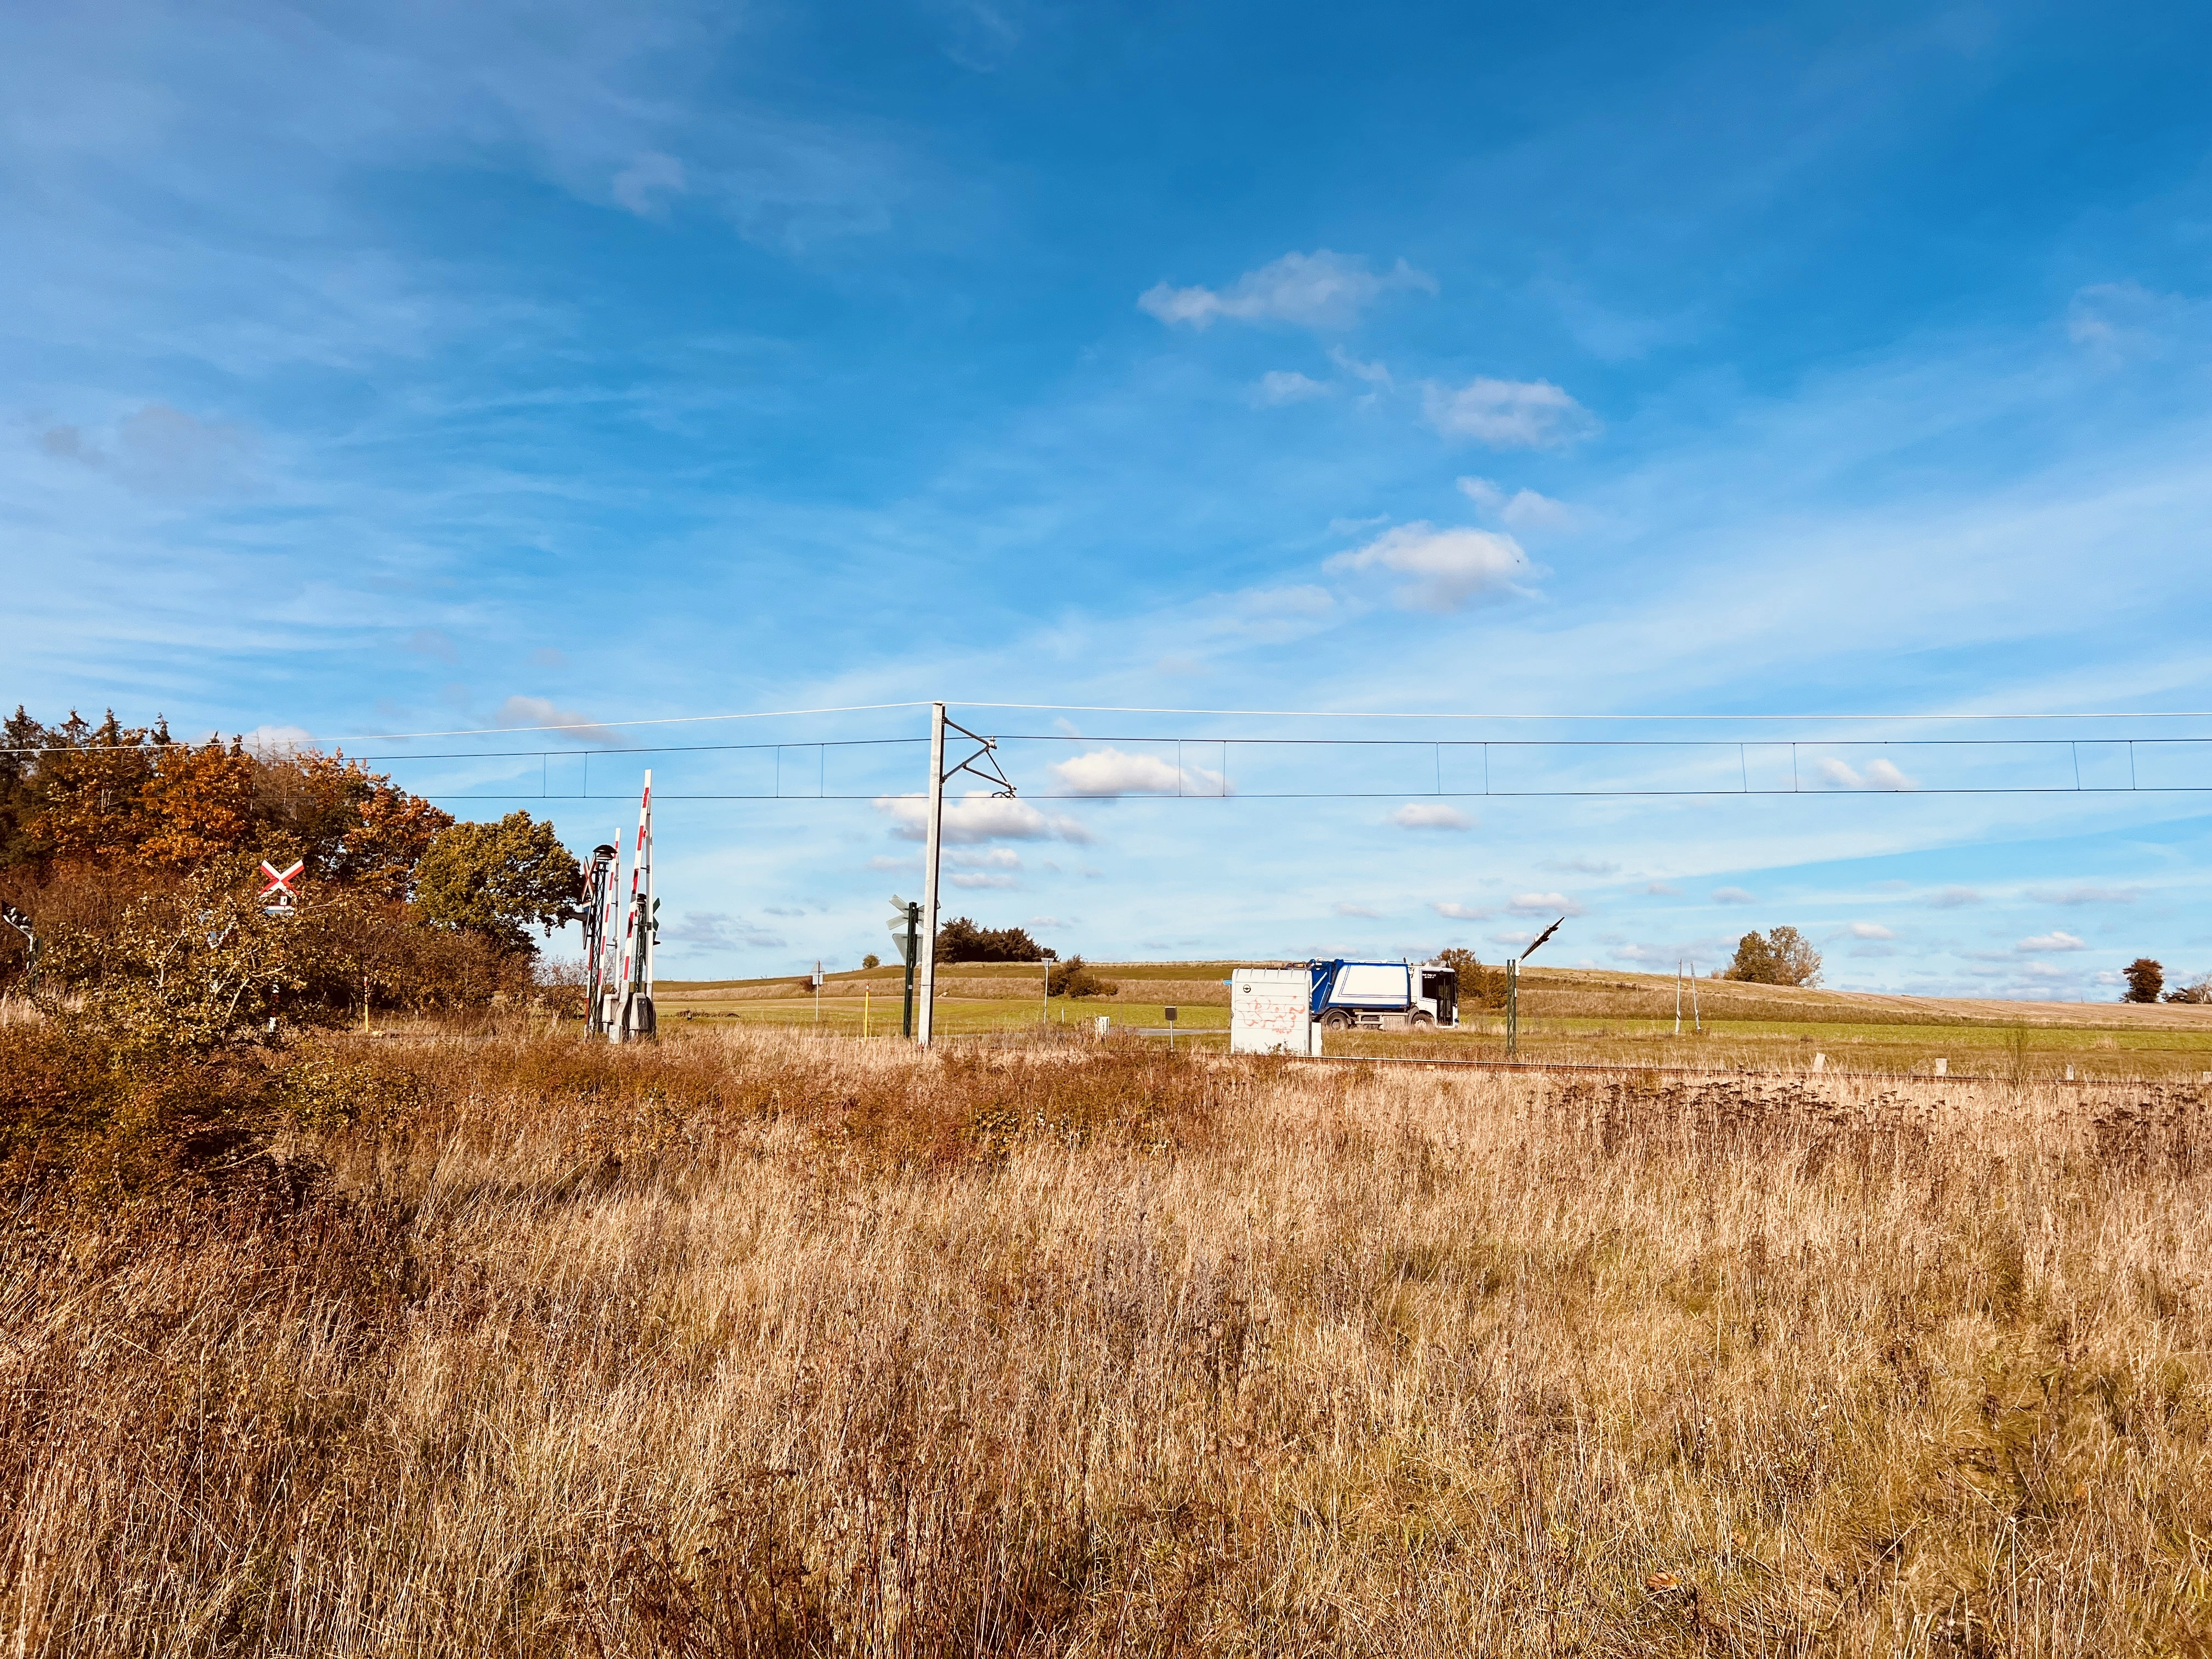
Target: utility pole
984, 764
933, 846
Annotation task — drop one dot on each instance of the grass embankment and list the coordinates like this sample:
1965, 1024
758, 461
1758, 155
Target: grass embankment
1570, 1014
752, 1343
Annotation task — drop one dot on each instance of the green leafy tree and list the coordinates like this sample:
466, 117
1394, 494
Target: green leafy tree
498, 880
2145, 979
962, 940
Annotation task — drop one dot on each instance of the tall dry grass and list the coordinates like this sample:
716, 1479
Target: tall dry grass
763, 1344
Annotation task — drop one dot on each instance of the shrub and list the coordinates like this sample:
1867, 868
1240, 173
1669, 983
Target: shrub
2145, 979
1075, 978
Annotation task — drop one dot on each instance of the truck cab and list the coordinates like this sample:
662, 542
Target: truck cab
1384, 996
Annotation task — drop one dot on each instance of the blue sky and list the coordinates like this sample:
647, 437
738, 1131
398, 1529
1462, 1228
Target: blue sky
450, 369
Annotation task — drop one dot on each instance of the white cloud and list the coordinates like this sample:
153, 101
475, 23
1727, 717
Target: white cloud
977, 818
1870, 930
644, 186
1347, 908
1665, 889
1450, 567
989, 858
542, 714
1582, 867
1524, 509
1545, 904
1730, 895
980, 878
1105, 773
1319, 290
1287, 386
879, 862
1953, 898
2045, 944
1460, 911
1878, 775
1508, 414
1430, 815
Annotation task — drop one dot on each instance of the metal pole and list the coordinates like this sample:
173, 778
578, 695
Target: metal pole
1044, 1008
912, 921
1678, 998
932, 847
1512, 1006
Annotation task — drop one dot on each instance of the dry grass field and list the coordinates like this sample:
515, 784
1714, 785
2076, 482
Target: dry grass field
760, 1343
1579, 1016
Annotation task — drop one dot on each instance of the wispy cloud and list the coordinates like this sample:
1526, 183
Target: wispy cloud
1454, 912
1430, 815
1877, 773
718, 930
1523, 509
1508, 414
1450, 567
1952, 898
2083, 894
527, 713
1545, 904
1869, 930
1287, 385
1346, 908
2048, 944
1320, 291
1731, 896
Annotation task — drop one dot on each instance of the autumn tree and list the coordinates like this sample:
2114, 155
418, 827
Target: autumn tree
2145, 979
498, 880
1783, 957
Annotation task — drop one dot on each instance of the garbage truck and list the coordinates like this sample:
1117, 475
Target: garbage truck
1384, 996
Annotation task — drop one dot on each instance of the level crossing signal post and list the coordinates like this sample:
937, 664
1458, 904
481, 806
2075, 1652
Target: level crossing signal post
905, 924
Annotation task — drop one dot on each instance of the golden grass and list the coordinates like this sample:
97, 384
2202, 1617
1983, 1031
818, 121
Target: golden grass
763, 1344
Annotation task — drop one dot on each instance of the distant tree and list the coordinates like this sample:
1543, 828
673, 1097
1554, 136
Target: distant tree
2145, 979
1754, 960
871, 960
962, 940
1473, 978
1784, 956
498, 880
2198, 990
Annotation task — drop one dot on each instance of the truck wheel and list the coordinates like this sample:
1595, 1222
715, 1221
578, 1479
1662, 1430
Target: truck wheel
1422, 1022
1335, 1020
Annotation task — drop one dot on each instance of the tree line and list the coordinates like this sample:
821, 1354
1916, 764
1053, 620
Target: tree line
136, 858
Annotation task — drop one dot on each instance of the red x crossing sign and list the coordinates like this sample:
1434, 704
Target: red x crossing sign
278, 888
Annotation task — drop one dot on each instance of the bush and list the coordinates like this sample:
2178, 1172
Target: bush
1074, 978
